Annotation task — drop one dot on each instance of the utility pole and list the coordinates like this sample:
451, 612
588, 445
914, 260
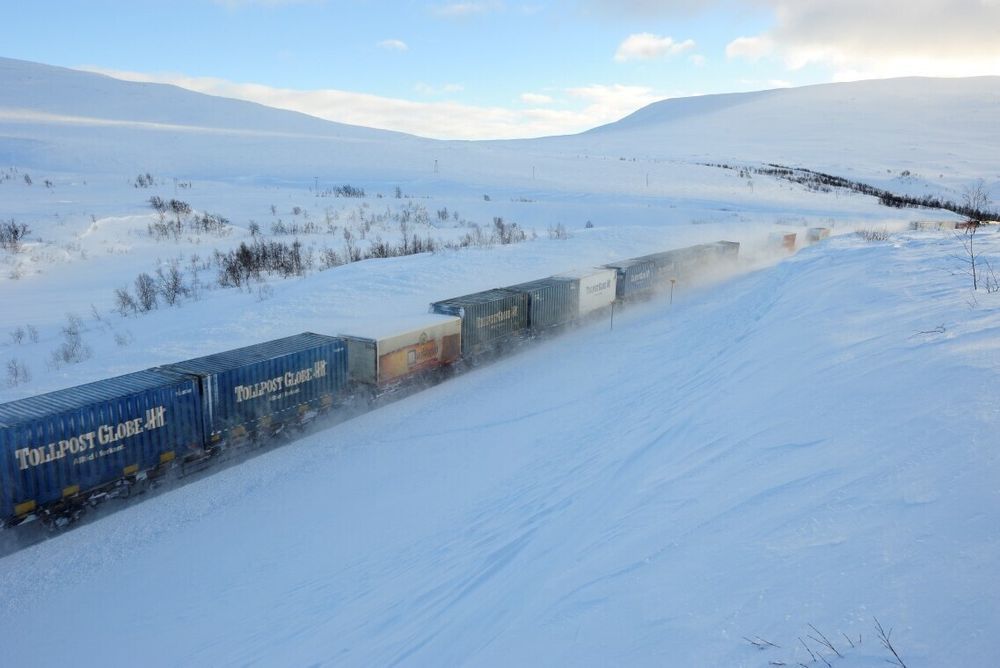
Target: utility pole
672, 281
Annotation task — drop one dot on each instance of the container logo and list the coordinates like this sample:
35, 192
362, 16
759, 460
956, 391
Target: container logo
287, 382
497, 318
85, 446
599, 287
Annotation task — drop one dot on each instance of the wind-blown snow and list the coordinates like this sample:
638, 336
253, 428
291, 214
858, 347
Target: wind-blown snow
810, 441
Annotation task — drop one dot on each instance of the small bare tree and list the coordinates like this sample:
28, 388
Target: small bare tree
145, 292
975, 207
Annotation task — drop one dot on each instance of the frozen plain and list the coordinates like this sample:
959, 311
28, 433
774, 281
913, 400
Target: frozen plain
812, 441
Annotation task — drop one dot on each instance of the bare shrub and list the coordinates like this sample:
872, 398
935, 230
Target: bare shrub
17, 373
32, 333
125, 303
13, 234
871, 234
145, 292
72, 350
170, 282
17, 336
558, 232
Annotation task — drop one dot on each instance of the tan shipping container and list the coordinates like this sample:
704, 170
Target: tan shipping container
394, 351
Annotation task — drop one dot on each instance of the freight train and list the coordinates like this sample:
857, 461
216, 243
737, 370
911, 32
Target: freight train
68, 450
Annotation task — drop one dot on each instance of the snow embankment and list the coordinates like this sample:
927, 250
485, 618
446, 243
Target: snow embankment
813, 443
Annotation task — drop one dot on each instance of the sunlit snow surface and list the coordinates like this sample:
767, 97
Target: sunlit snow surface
810, 441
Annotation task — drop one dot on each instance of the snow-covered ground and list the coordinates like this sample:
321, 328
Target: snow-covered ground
810, 441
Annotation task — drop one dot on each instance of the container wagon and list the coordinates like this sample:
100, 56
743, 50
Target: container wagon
490, 319
68, 448
396, 352
636, 278
551, 302
255, 391
596, 289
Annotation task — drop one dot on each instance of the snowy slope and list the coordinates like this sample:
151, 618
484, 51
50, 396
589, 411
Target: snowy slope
800, 445
926, 126
812, 442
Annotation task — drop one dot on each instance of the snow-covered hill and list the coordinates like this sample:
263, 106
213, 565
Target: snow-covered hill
935, 128
812, 441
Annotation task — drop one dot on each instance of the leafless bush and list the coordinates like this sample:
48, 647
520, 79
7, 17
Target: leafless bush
145, 292
13, 234
558, 232
125, 303
328, 258
17, 373
884, 637
872, 234
17, 336
210, 223
32, 333
72, 350
170, 282
508, 233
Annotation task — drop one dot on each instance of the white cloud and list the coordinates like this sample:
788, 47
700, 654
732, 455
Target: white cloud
697, 60
643, 46
393, 45
536, 98
749, 48
859, 39
599, 104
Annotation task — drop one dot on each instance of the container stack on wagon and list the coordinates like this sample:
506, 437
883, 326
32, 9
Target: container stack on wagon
394, 353
595, 289
552, 302
490, 319
68, 446
253, 391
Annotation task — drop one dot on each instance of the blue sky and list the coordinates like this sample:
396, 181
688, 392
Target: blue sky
500, 68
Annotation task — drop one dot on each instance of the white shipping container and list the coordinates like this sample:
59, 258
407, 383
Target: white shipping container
597, 288
391, 351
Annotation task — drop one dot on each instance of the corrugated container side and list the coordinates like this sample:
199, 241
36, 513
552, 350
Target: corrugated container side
551, 302
362, 359
73, 440
270, 383
635, 278
728, 250
489, 318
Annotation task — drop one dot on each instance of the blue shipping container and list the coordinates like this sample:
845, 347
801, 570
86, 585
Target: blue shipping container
66, 442
636, 277
257, 388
